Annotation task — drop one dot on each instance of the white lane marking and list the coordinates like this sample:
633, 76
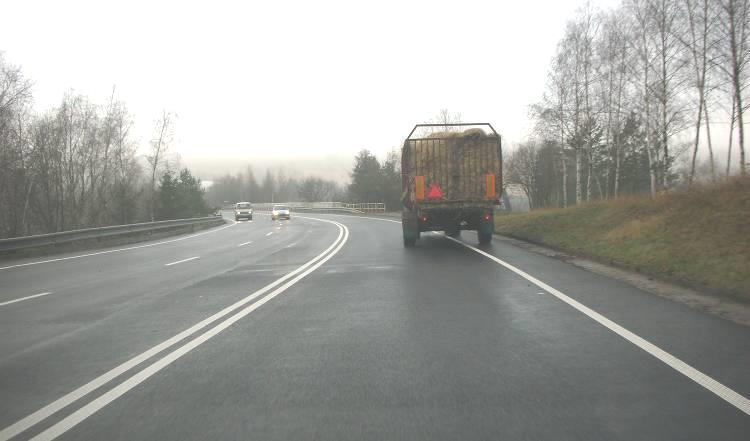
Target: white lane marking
737, 400
73, 396
25, 298
376, 218
268, 234
89, 409
720, 390
180, 261
245, 243
119, 249
365, 217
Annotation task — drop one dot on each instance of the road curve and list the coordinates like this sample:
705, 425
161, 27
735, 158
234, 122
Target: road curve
325, 327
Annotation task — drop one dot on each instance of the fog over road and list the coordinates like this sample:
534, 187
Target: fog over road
326, 327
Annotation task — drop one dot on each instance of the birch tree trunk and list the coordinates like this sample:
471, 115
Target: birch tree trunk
731, 133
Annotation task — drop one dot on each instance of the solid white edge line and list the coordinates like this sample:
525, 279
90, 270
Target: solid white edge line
94, 406
364, 217
730, 396
73, 396
25, 298
180, 261
119, 249
720, 390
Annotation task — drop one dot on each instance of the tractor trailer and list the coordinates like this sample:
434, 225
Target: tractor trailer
451, 180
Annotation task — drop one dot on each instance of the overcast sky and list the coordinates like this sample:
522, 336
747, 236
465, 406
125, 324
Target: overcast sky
291, 79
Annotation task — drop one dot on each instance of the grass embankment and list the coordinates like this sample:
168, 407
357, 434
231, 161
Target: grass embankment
699, 237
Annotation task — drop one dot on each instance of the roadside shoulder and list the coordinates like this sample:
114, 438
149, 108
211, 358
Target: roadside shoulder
719, 305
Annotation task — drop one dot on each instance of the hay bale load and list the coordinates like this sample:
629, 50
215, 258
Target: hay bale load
468, 133
451, 182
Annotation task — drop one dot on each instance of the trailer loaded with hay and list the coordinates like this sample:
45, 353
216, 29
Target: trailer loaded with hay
451, 181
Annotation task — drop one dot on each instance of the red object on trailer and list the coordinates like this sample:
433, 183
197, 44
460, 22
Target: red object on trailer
434, 192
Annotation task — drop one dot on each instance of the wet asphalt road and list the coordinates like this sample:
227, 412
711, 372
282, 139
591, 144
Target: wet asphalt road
356, 338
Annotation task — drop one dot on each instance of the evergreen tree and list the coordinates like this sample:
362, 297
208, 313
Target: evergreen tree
390, 181
180, 197
366, 178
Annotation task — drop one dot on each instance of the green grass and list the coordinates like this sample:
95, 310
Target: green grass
699, 237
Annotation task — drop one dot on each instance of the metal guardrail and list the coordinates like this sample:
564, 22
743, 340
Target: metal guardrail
51, 239
367, 207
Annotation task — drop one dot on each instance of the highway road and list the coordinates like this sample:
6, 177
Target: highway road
326, 327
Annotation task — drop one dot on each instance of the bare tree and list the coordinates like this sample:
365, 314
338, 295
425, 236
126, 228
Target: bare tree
643, 48
613, 61
696, 41
733, 119
576, 48
669, 81
72, 167
444, 116
159, 147
734, 23
522, 170
15, 178
552, 114
625, 85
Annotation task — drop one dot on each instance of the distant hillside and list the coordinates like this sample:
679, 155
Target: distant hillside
699, 237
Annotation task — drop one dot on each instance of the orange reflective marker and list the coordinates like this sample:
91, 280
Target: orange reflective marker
419, 187
489, 180
434, 192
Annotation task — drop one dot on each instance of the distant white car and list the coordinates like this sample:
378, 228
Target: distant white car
243, 210
280, 212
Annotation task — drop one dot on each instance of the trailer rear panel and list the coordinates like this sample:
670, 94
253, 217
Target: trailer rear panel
452, 169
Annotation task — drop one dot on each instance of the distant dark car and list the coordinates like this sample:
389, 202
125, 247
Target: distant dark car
243, 210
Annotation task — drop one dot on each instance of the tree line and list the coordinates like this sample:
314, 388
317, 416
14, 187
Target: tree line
371, 181
275, 186
75, 165
631, 98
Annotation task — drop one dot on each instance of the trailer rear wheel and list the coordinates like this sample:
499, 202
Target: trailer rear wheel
484, 238
410, 228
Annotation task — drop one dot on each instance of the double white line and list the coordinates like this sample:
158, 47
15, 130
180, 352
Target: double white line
263, 295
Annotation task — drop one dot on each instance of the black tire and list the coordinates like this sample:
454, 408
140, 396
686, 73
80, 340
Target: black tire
484, 238
410, 242
236, 219
250, 218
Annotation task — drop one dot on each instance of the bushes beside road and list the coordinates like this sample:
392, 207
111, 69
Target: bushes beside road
698, 237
